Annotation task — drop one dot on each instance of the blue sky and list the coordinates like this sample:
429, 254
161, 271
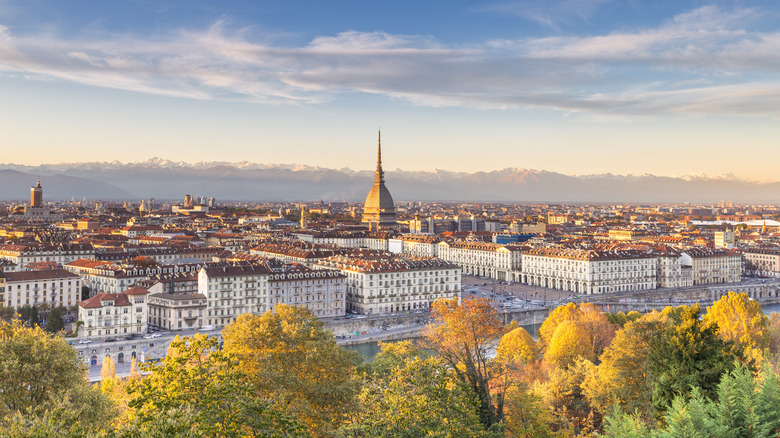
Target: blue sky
574, 86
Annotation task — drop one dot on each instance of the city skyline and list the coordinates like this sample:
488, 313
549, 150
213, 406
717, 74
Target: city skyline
575, 86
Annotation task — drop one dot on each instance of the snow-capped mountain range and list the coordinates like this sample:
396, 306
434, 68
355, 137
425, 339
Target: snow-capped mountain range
164, 179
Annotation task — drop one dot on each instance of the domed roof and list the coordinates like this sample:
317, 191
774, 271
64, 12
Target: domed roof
379, 198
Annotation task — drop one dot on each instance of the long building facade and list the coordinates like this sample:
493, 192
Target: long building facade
386, 284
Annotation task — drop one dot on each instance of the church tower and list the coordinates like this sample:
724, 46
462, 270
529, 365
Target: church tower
379, 208
36, 195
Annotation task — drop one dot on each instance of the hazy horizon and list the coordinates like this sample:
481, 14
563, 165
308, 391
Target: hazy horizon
577, 87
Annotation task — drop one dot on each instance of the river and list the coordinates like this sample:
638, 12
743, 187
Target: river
370, 349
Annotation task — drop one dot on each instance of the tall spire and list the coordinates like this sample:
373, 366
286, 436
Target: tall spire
379, 175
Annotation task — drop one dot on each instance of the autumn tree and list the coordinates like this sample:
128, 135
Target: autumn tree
517, 345
563, 394
289, 357
567, 312
742, 321
200, 391
418, 398
43, 385
568, 343
572, 331
624, 376
463, 335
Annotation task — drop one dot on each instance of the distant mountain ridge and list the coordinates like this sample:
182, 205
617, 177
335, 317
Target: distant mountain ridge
166, 180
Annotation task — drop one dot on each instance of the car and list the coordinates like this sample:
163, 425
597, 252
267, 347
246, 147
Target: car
110, 339
149, 336
84, 341
156, 335
208, 328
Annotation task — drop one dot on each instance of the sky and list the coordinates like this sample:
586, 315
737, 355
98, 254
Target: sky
674, 88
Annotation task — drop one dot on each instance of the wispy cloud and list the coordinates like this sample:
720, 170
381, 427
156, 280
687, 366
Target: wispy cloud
551, 13
706, 61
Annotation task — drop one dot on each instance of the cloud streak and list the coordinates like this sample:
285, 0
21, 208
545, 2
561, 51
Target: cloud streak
705, 61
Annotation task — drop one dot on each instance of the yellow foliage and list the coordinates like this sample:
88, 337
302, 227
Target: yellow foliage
519, 345
290, 358
741, 320
568, 343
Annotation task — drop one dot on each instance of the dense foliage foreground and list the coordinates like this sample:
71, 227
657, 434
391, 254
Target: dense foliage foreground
673, 373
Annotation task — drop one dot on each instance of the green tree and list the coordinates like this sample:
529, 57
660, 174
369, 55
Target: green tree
33, 316
84, 292
200, 391
42, 383
24, 312
618, 424
688, 354
7, 313
688, 419
289, 357
54, 321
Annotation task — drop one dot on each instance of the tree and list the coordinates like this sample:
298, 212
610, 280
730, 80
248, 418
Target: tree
688, 354
54, 321
24, 313
517, 344
624, 377
526, 416
740, 320
199, 391
568, 343
618, 424
463, 336
84, 292
745, 406
567, 312
33, 316
418, 398
392, 355
563, 394
7, 313
290, 358
42, 379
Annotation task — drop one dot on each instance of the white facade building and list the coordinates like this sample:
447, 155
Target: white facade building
713, 265
588, 271
57, 288
109, 315
501, 262
61, 254
233, 289
385, 284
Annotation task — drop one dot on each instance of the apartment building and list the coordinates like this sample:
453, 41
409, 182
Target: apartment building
763, 261
381, 283
232, 289
55, 287
713, 265
589, 271
114, 314
501, 262
23, 255
181, 311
